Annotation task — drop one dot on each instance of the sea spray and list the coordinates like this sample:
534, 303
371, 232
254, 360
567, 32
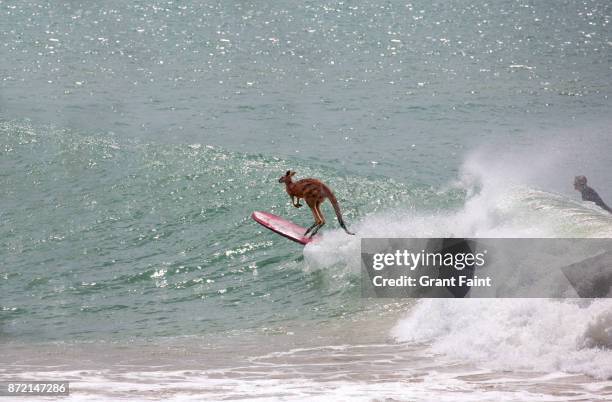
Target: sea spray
542, 334
512, 334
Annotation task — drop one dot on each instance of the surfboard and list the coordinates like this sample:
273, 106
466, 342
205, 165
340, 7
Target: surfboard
283, 227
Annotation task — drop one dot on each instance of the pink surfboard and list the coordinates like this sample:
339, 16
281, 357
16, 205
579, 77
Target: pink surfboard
283, 227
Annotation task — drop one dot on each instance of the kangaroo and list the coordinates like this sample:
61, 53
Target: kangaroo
314, 192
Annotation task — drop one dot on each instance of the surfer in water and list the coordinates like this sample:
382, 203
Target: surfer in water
588, 194
314, 192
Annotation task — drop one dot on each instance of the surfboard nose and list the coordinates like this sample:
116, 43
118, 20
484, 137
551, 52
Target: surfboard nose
282, 226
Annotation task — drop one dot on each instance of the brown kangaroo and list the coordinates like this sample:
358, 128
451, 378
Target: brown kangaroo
314, 192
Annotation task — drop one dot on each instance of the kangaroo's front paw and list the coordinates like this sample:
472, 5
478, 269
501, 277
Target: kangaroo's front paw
298, 205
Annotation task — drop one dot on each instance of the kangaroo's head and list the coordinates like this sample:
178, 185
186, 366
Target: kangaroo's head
286, 178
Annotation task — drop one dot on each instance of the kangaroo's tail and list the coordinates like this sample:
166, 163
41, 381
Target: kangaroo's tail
334, 202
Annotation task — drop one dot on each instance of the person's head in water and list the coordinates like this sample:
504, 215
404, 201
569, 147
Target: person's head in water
580, 182
588, 194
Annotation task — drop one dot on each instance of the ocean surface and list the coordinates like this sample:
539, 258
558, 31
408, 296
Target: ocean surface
136, 138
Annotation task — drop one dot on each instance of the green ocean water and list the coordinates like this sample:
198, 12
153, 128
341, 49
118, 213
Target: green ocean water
102, 238
136, 139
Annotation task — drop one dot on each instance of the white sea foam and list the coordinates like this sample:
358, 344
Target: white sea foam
280, 382
503, 200
538, 334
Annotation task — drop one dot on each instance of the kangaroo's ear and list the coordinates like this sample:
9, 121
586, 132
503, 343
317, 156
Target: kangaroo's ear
291, 173
288, 173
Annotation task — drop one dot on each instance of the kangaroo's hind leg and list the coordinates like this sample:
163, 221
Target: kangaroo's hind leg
310, 228
313, 206
320, 216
